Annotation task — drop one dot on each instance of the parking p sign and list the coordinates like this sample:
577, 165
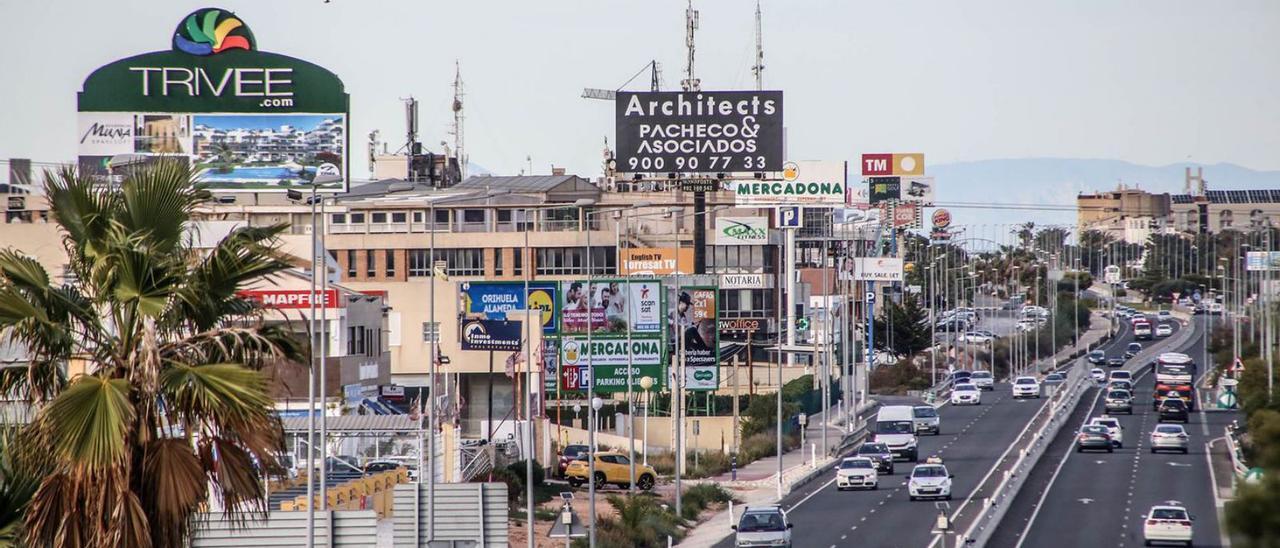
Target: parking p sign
790, 217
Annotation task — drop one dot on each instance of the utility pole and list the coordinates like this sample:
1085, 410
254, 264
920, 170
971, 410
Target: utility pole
456, 131
758, 69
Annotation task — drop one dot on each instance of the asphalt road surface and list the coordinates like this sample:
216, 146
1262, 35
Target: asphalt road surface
972, 440
1101, 499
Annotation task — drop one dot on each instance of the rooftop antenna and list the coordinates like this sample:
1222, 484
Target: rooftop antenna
691, 82
458, 118
758, 69
411, 134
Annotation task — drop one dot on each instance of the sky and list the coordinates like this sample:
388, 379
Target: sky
1152, 82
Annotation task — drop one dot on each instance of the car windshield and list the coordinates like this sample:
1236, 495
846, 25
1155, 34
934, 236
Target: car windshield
873, 449
1097, 353
1169, 513
1054, 377
982, 375
925, 412
1169, 429
759, 522
929, 472
1135, 346
1109, 423
1093, 429
895, 427
965, 388
1025, 380
855, 463
574, 450
1173, 403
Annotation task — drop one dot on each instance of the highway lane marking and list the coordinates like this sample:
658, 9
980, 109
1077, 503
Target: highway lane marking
810, 495
1049, 487
1217, 501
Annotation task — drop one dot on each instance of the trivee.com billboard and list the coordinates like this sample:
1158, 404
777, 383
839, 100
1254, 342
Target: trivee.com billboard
247, 119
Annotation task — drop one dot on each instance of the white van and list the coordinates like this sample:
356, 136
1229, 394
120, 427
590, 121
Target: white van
895, 427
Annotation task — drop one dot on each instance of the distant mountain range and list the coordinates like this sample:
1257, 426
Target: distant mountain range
1055, 182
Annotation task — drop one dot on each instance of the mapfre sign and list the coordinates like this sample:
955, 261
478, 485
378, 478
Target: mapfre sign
291, 298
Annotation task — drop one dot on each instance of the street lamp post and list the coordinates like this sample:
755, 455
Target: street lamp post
646, 382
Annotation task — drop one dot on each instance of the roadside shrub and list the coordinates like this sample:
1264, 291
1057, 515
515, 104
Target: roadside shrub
539, 475
702, 496
515, 487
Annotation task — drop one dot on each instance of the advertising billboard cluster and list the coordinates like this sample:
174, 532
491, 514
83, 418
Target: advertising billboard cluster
613, 312
246, 120
696, 315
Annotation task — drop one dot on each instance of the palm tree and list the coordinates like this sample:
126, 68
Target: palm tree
172, 403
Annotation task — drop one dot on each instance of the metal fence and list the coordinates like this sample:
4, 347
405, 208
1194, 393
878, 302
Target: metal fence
355, 528
464, 514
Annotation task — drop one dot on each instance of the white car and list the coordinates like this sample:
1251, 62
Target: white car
1113, 428
1172, 437
1098, 375
966, 393
1168, 522
929, 481
857, 472
1164, 330
983, 380
1120, 375
1026, 387
975, 337
1164, 315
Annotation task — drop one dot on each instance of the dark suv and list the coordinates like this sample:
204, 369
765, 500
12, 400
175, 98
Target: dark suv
878, 453
1174, 409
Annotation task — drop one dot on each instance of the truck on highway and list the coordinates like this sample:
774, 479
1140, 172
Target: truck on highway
1142, 330
1174, 374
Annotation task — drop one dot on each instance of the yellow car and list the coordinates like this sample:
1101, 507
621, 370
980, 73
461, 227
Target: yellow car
612, 468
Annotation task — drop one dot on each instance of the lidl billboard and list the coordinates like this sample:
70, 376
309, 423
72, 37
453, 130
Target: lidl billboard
248, 120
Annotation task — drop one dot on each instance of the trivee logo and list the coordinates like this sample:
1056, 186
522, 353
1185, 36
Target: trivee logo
210, 30
100, 133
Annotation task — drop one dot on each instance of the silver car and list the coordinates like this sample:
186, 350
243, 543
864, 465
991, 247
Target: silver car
1169, 437
763, 526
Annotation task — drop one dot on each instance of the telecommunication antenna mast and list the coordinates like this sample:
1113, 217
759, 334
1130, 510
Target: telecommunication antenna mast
691, 82
758, 69
458, 117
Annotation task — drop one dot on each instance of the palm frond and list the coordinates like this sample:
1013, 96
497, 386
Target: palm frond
174, 484
86, 424
220, 393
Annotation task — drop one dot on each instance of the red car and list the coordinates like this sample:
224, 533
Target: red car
567, 455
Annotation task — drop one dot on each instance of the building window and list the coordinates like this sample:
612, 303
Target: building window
359, 341
430, 332
370, 265
351, 341
517, 261
458, 262
391, 262
357, 218
418, 216
442, 216
419, 265
399, 217
351, 264
504, 215
379, 218
573, 261
338, 219
1224, 219
497, 261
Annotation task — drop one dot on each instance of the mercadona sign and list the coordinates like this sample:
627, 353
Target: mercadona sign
609, 358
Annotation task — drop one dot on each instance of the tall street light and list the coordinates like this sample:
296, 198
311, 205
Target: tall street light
325, 174
434, 351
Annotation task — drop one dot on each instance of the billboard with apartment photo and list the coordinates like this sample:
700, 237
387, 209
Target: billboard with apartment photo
266, 152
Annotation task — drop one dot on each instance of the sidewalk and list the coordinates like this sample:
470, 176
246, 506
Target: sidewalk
757, 482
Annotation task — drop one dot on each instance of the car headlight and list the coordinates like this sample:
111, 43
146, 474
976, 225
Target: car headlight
911, 443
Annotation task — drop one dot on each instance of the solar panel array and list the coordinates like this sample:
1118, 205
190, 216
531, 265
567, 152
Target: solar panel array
1181, 199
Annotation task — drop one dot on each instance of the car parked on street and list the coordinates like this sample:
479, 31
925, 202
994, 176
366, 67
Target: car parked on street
611, 468
567, 455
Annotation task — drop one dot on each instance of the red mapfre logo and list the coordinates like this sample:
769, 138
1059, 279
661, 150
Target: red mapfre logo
291, 298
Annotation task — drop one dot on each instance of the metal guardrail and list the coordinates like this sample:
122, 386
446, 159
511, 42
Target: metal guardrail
1237, 456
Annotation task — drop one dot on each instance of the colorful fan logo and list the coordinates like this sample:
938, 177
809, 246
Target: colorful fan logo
211, 30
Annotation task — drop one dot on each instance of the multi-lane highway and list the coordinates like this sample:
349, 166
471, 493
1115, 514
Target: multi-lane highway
1101, 499
972, 440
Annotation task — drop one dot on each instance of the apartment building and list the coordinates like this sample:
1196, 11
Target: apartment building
1132, 214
